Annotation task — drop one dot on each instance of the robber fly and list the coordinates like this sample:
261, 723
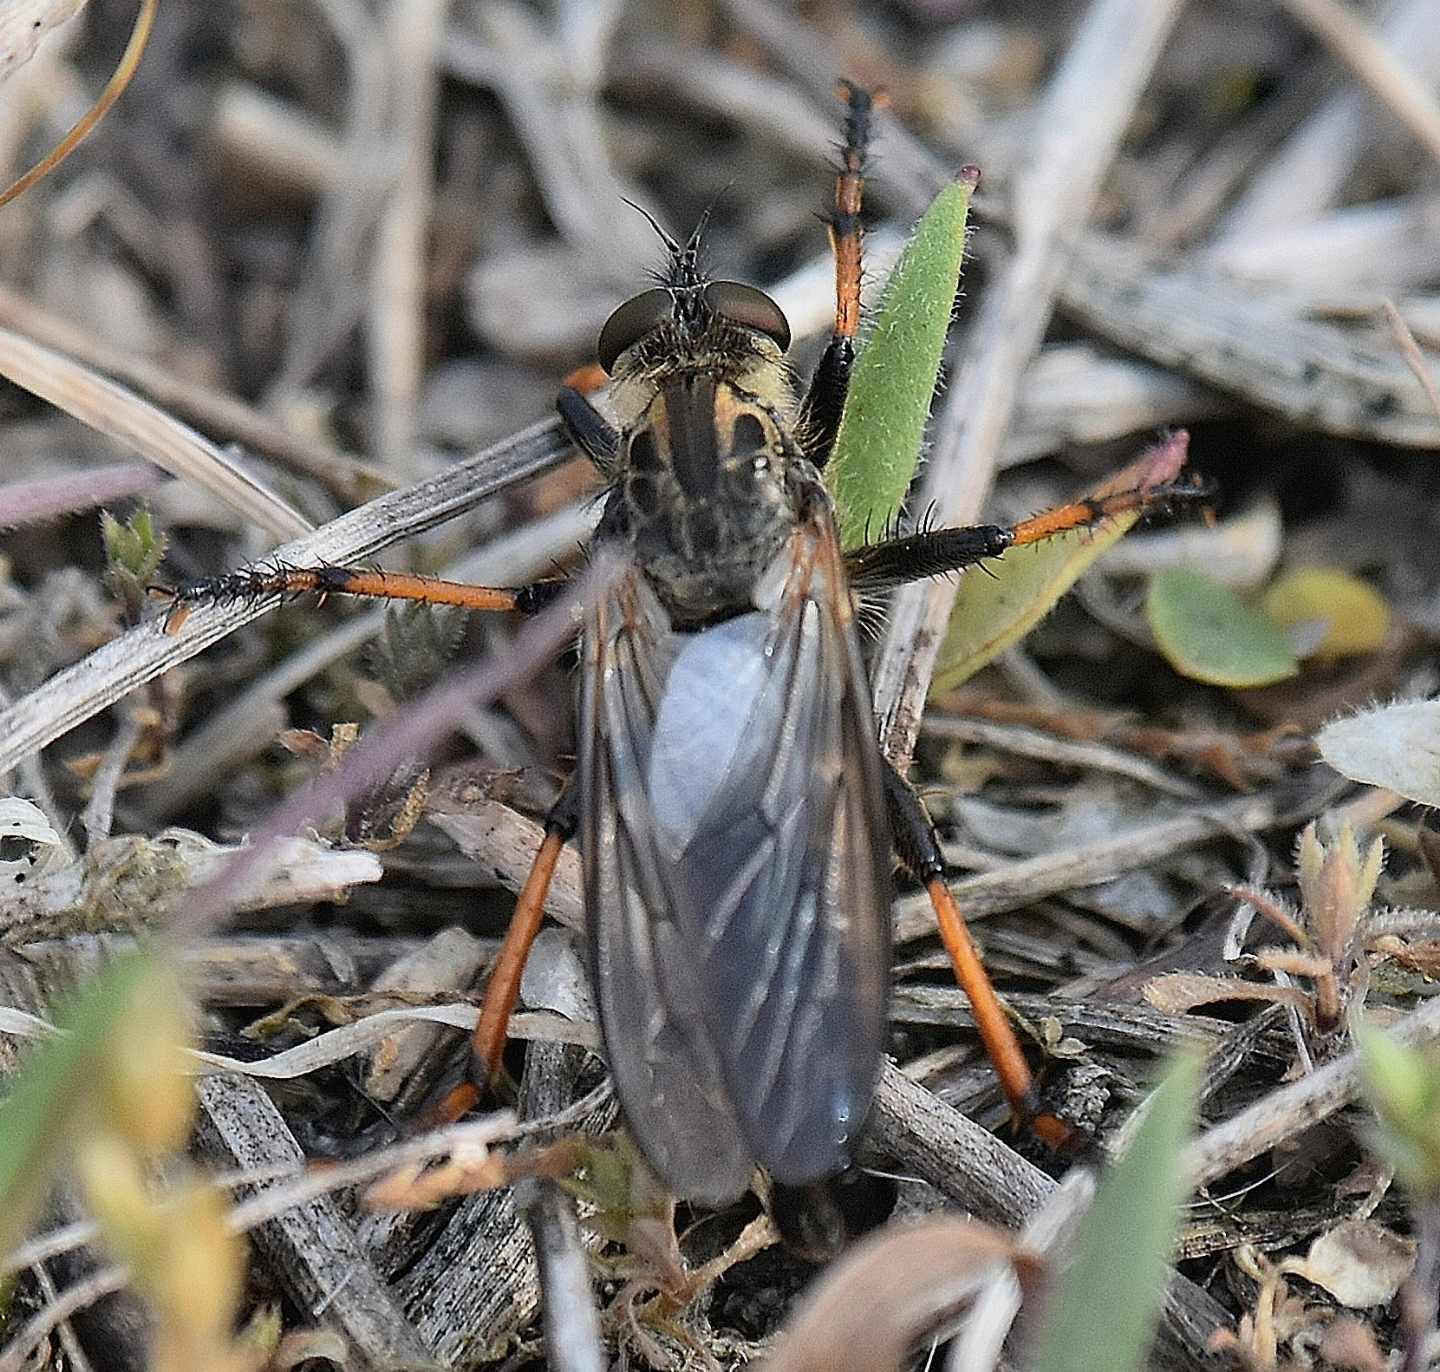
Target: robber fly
734, 810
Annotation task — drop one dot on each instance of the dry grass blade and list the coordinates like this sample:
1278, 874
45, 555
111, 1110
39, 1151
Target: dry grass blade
1415, 359
23, 26
82, 691
216, 411
873, 1304
33, 502
1381, 68
1079, 123
104, 405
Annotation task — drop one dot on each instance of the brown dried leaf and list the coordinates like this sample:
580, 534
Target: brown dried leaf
1292, 962
1177, 992
873, 1304
1359, 1262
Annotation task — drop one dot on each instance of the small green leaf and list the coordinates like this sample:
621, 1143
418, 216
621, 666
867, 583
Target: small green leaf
1354, 616
878, 445
992, 612
53, 1088
1205, 632
1104, 1313
133, 553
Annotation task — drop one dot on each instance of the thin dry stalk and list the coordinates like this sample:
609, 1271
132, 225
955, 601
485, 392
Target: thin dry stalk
1079, 125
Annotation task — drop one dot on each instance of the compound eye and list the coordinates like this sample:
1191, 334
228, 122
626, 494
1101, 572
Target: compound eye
631, 322
749, 308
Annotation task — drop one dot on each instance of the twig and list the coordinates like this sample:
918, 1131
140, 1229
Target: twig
82, 691
1287, 1111
980, 1172
329, 299
1317, 375
1085, 864
156, 436
74, 1353
221, 415
572, 1326
1415, 359
1377, 64
1046, 747
310, 1247
73, 1299
99, 811
395, 306
1314, 167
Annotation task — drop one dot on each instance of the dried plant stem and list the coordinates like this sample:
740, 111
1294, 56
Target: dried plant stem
82, 691
572, 1327
1287, 1111
1079, 124
1377, 64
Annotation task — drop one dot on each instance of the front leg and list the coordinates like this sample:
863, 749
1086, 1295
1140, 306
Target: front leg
589, 430
824, 402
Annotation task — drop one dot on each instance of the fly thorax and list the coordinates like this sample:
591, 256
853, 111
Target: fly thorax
704, 491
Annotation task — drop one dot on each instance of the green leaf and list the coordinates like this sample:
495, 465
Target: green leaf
992, 612
54, 1088
1206, 632
1402, 1085
878, 445
1103, 1316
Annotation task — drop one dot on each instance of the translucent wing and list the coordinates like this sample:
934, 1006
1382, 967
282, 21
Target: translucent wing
736, 881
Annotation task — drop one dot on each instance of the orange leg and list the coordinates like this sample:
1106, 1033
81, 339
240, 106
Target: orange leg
1001, 1045
919, 850
503, 988
845, 229
258, 582
487, 1043
1145, 486
825, 399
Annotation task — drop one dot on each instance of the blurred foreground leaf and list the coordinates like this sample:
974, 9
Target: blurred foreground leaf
1402, 1085
893, 383
992, 612
1103, 1315
54, 1088
1206, 633
1396, 746
1351, 615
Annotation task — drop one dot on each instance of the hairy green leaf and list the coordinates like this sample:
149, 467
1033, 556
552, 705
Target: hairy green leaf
893, 383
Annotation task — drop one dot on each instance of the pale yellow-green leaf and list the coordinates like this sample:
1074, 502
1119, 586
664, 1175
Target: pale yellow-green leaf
994, 611
1354, 615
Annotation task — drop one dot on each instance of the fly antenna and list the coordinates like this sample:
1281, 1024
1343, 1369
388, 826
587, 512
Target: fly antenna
671, 245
